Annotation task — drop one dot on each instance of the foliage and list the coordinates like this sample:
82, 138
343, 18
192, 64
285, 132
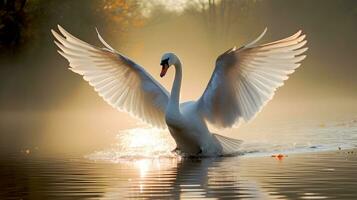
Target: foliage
12, 21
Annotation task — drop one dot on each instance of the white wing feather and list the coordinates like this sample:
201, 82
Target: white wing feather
117, 79
245, 79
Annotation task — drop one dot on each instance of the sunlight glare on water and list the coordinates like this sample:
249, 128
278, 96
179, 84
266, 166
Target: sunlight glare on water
138, 143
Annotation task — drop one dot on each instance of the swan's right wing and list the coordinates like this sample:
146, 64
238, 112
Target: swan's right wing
122, 83
245, 79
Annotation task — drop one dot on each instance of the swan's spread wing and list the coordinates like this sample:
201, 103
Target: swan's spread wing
245, 79
121, 82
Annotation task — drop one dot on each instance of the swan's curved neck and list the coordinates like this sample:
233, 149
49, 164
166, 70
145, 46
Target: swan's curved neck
175, 91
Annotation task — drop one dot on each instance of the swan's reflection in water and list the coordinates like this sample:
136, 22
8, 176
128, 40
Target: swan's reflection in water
304, 176
300, 176
186, 178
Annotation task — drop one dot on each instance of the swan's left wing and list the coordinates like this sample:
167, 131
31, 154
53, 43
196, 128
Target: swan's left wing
245, 79
122, 83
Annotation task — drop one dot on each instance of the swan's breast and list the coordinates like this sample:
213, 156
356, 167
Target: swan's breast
173, 119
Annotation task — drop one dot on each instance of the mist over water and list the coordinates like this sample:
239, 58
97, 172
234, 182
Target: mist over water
150, 143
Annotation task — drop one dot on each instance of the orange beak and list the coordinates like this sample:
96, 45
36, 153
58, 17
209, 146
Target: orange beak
164, 70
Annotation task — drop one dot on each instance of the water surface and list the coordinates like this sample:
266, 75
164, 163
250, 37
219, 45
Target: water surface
319, 175
319, 161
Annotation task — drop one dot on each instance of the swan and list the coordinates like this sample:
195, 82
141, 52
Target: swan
243, 81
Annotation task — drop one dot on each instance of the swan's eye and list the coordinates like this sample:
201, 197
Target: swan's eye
165, 62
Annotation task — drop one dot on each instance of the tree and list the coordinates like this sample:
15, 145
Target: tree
11, 22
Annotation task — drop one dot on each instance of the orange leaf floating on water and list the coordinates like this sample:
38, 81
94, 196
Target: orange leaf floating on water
279, 156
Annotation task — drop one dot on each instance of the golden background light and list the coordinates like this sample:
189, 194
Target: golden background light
62, 113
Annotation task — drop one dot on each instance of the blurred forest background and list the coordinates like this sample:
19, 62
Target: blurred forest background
45, 106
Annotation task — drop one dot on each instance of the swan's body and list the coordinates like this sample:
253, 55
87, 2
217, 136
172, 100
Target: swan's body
188, 127
243, 81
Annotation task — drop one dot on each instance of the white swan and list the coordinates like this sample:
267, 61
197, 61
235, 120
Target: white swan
243, 81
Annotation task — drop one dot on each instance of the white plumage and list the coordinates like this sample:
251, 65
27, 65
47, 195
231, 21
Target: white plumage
243, 81
118, 80
247, 78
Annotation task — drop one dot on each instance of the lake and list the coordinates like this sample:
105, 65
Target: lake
314, 175
315, 162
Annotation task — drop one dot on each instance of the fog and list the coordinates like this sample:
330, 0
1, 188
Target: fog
45, 106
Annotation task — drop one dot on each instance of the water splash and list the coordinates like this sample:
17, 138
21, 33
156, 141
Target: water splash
138, 143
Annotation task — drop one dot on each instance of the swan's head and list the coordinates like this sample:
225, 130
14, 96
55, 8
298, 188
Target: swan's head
167, 60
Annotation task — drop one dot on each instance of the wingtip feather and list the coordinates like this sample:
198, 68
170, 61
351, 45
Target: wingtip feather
57, 36
257, 39
62, 53
54, 33
103, 41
